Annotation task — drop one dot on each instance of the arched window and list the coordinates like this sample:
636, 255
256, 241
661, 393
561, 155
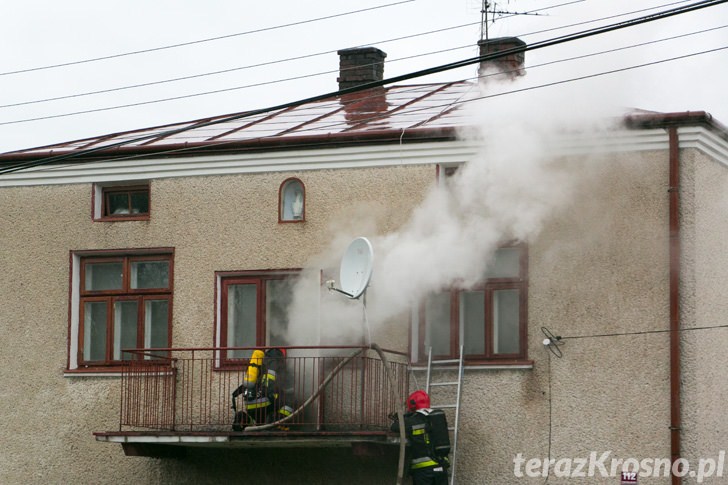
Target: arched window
292, 201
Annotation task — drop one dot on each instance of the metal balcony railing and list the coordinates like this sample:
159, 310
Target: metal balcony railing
329, 389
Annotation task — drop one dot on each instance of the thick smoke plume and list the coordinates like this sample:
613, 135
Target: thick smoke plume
506, 192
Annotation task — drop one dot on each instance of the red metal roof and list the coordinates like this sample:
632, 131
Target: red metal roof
372, 114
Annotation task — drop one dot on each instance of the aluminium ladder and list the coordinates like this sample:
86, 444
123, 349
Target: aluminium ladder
456, 406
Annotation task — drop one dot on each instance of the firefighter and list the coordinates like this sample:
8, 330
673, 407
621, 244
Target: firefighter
428, 439
266, 403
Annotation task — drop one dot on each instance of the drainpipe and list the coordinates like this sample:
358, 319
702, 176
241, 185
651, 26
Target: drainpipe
674, 204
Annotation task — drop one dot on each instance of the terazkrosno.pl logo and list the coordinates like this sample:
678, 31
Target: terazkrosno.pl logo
605, 465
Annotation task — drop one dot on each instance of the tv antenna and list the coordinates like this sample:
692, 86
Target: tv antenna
355, 272
492, 8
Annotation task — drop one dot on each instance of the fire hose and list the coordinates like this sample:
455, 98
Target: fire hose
332, 374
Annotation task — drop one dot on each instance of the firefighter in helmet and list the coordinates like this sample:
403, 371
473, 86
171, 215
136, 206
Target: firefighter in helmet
262, 390
428, 439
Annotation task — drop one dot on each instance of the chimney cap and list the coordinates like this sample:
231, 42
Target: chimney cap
361, 50
503, 41
511, 65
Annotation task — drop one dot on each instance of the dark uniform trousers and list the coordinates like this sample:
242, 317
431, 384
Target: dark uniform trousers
425, 467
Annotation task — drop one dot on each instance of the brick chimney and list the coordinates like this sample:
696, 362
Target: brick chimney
510, 66
360, 65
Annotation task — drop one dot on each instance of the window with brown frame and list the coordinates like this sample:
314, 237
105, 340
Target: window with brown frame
125, 202
253, 311
125, 302
488, 319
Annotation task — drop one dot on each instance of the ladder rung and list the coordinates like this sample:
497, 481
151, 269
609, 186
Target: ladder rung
446, 361
451, 383
448, 406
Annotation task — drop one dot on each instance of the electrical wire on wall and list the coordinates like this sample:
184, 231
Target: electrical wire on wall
553, 342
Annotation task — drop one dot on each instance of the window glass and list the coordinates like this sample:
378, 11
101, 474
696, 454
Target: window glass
156, 328
437, 326
125, 328
149, 274
241, 318
485, 318
472, 316
139, 202
124, 303
278, 297
118, 203
506, 322
506, 263
292, 201
94, 330
104, 276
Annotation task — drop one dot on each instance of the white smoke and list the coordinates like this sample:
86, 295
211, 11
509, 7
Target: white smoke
506, 192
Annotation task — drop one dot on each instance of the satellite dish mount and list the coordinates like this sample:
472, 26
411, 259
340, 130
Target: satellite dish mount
355, 272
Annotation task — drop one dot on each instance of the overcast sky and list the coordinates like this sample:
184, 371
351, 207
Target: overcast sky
41, 33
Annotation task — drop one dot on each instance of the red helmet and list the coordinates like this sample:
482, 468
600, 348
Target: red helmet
418, 400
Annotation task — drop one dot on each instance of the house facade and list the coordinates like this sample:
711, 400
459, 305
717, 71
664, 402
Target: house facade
165, 238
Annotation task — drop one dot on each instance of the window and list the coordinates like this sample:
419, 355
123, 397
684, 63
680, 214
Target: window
121, 202
253, 311
489, 318
292, 201
119, 301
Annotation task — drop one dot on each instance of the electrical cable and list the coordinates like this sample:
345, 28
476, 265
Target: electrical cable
186, 96
604, 18
54, 159
442, 68
225, 71
548, 453
24, 165
200, 41
306, 56
644, 332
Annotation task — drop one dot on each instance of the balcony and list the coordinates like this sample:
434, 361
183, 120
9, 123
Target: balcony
172, 399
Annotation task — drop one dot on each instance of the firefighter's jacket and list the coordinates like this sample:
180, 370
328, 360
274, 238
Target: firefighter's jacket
421, 450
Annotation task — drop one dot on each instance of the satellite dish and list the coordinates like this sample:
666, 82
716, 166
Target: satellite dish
356, 267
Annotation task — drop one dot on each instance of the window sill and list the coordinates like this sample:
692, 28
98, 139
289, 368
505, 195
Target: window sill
482, 365
144, 217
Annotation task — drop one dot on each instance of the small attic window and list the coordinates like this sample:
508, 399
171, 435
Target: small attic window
121, 202
292, 201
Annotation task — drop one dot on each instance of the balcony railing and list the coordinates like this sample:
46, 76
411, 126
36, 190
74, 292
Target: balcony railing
327, 388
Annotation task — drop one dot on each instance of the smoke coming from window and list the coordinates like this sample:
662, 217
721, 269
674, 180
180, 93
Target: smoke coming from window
521, 175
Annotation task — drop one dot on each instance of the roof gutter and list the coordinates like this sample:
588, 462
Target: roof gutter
293, 142
674, 222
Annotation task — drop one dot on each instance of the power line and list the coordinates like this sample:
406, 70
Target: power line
645, 332
200, 41
605, 18
24, 165
556, 41
235, 88
553, 342
268, 63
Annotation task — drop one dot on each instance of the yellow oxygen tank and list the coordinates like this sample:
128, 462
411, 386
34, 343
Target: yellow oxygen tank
251, 375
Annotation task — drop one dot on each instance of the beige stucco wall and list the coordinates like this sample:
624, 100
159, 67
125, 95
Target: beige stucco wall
704, 303
600, 266
214, 224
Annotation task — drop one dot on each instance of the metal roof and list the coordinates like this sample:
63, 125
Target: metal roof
372, 114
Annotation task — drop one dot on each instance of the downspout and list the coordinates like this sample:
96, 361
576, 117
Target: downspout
674, 207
